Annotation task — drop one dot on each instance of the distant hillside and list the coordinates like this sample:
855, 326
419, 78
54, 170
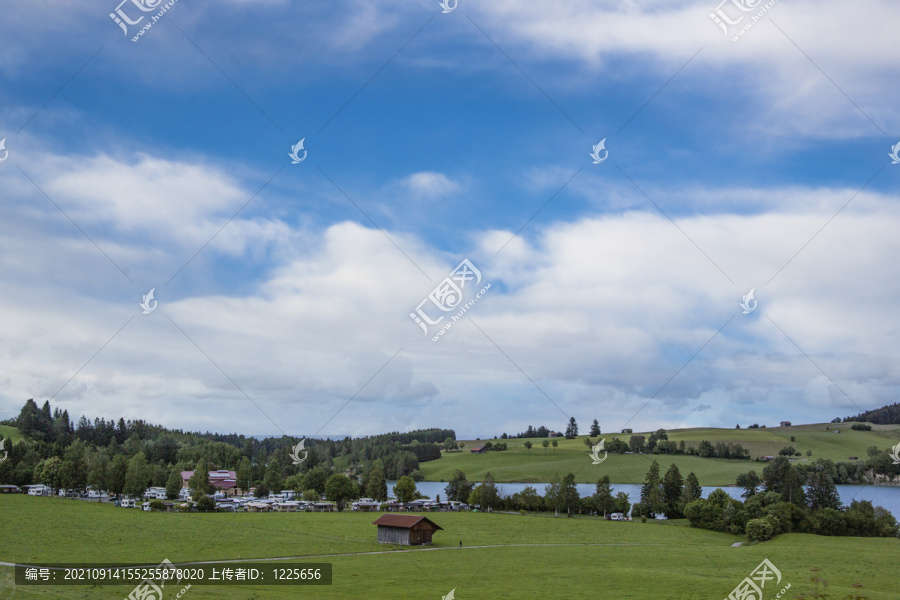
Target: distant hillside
518, 463
886, 415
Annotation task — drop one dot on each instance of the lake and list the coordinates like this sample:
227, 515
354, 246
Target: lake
888, 497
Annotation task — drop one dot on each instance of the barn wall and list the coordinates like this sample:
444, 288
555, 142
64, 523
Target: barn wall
393, 535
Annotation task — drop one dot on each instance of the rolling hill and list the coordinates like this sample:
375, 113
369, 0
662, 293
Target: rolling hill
518, 464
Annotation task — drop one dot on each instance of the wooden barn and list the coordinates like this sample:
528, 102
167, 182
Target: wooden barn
407, 530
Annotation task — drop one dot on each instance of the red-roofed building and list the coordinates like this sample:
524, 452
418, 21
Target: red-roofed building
223, 480
407, 530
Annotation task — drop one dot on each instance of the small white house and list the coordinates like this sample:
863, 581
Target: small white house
127, 503
39, 490
617, 517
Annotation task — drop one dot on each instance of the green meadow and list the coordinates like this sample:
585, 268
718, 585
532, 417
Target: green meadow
503, 556
11, 433
519, 464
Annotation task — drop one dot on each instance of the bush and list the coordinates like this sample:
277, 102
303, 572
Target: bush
759, 530
157, 505
206, 504
861, 427
643, 519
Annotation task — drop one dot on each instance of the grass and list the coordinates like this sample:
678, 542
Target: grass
557, 557
518, 464
11, 433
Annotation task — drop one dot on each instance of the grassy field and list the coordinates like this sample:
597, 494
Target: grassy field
518, 464
521, 556
8, 432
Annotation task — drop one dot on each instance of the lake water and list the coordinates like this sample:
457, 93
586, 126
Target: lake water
888, 497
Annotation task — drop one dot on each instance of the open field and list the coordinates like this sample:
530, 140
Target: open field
9, 432
522, 557
518, 464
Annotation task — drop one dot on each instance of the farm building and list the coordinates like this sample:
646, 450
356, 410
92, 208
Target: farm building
626, 431
406, 530
223, 480
478, 450
785, 423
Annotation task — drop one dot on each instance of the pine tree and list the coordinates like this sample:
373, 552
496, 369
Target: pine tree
603, 498
692, 490
672, 484
822, 492
595, 428
651, 491
572, 429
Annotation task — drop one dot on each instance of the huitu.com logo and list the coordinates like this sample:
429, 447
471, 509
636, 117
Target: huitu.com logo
749, 303
596, 450
448, 297
146, 301
147, 6
448, 8
738, 15
596, 153
296, 159
6, 152
895, 154
295, 452
895, 454
751, 588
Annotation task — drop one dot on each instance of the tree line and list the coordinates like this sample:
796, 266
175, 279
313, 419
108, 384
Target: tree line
126, 455
790, 498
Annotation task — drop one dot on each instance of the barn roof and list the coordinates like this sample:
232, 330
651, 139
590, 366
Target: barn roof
404, 521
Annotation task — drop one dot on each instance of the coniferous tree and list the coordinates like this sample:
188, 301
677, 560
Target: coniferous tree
595, 428
672, 489
822, 493
692, 489
603, 498
651, 490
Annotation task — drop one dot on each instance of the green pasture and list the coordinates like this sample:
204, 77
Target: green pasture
11, 433
518, 464
522, 556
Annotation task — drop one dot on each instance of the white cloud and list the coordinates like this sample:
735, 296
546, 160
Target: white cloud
599, 312
431, 185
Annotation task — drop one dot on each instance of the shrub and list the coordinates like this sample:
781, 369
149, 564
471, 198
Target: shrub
157, 505
643, 519
861, 427
206, 504
759, 530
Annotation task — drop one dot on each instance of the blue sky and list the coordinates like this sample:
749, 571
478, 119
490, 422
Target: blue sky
284, 291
